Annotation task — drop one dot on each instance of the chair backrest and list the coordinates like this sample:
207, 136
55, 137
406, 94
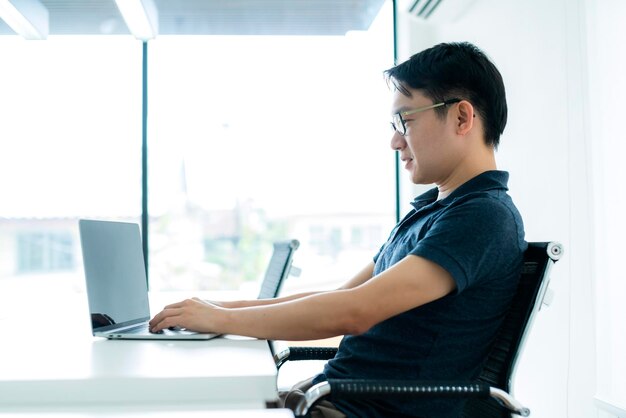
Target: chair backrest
499, 368
278, 268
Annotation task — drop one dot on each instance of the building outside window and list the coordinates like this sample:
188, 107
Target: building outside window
45, 251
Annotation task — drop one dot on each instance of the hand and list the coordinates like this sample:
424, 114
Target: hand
193, 314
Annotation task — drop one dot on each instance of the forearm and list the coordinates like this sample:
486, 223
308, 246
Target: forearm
319, 315
361, 277
262, 302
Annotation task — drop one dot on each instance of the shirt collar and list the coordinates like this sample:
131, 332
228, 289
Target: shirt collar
489, 180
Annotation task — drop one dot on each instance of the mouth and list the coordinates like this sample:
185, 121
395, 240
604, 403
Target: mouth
407, 161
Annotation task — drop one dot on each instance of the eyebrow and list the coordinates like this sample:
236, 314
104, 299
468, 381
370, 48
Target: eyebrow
402, 109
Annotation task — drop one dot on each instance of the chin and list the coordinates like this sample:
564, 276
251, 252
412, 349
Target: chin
418, 179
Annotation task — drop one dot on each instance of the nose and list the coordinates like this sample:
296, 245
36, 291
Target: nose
397, 141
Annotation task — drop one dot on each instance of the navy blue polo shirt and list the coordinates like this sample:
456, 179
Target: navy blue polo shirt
477, 235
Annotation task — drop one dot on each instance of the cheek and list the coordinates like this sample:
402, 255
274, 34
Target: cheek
421, 148
431, 140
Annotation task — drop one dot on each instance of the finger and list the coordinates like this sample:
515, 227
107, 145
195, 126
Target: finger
165, 313
175, 305
168, 322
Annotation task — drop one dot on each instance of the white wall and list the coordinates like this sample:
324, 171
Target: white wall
540, 48
607, 90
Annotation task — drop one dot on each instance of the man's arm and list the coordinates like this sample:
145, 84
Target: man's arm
360, 278
412, 282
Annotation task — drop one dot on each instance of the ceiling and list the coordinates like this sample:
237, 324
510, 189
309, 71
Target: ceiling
216, 17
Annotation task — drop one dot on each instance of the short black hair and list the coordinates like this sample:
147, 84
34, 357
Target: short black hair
456, 70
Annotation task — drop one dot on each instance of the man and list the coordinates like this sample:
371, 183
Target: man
429, 303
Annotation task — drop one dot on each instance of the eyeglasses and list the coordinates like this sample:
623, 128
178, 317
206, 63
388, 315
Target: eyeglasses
399, 124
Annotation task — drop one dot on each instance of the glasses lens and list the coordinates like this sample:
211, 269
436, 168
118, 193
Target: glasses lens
397, 124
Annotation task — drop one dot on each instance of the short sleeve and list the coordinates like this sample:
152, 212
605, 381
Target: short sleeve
472, 240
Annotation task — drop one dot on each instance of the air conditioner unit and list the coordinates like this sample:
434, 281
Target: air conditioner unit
439, 11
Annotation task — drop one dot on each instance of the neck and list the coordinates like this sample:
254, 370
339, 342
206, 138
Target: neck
470, 167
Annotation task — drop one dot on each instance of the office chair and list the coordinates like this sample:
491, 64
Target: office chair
278, 268
489, 395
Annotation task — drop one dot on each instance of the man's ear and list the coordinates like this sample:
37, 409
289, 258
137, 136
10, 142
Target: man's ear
464, 117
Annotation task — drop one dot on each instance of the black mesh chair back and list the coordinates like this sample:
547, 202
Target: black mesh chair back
499, 368
278, 268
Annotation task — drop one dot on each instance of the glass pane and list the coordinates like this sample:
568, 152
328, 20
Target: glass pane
71, 136
256, 139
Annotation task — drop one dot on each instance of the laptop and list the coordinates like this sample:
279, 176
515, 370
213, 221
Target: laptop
117, 288
279, 268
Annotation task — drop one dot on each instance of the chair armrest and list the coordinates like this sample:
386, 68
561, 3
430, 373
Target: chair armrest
304, 353
358, 388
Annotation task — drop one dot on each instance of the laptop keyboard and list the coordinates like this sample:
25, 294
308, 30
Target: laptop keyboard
141, 329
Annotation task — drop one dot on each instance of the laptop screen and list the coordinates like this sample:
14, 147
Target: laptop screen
278, 268
115, 273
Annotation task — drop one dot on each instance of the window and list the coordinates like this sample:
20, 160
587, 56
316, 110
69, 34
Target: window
260, 138
252, 139
71, 135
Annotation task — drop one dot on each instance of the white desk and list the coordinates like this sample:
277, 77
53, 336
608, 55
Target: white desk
110, 413
219, 373
55, 370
